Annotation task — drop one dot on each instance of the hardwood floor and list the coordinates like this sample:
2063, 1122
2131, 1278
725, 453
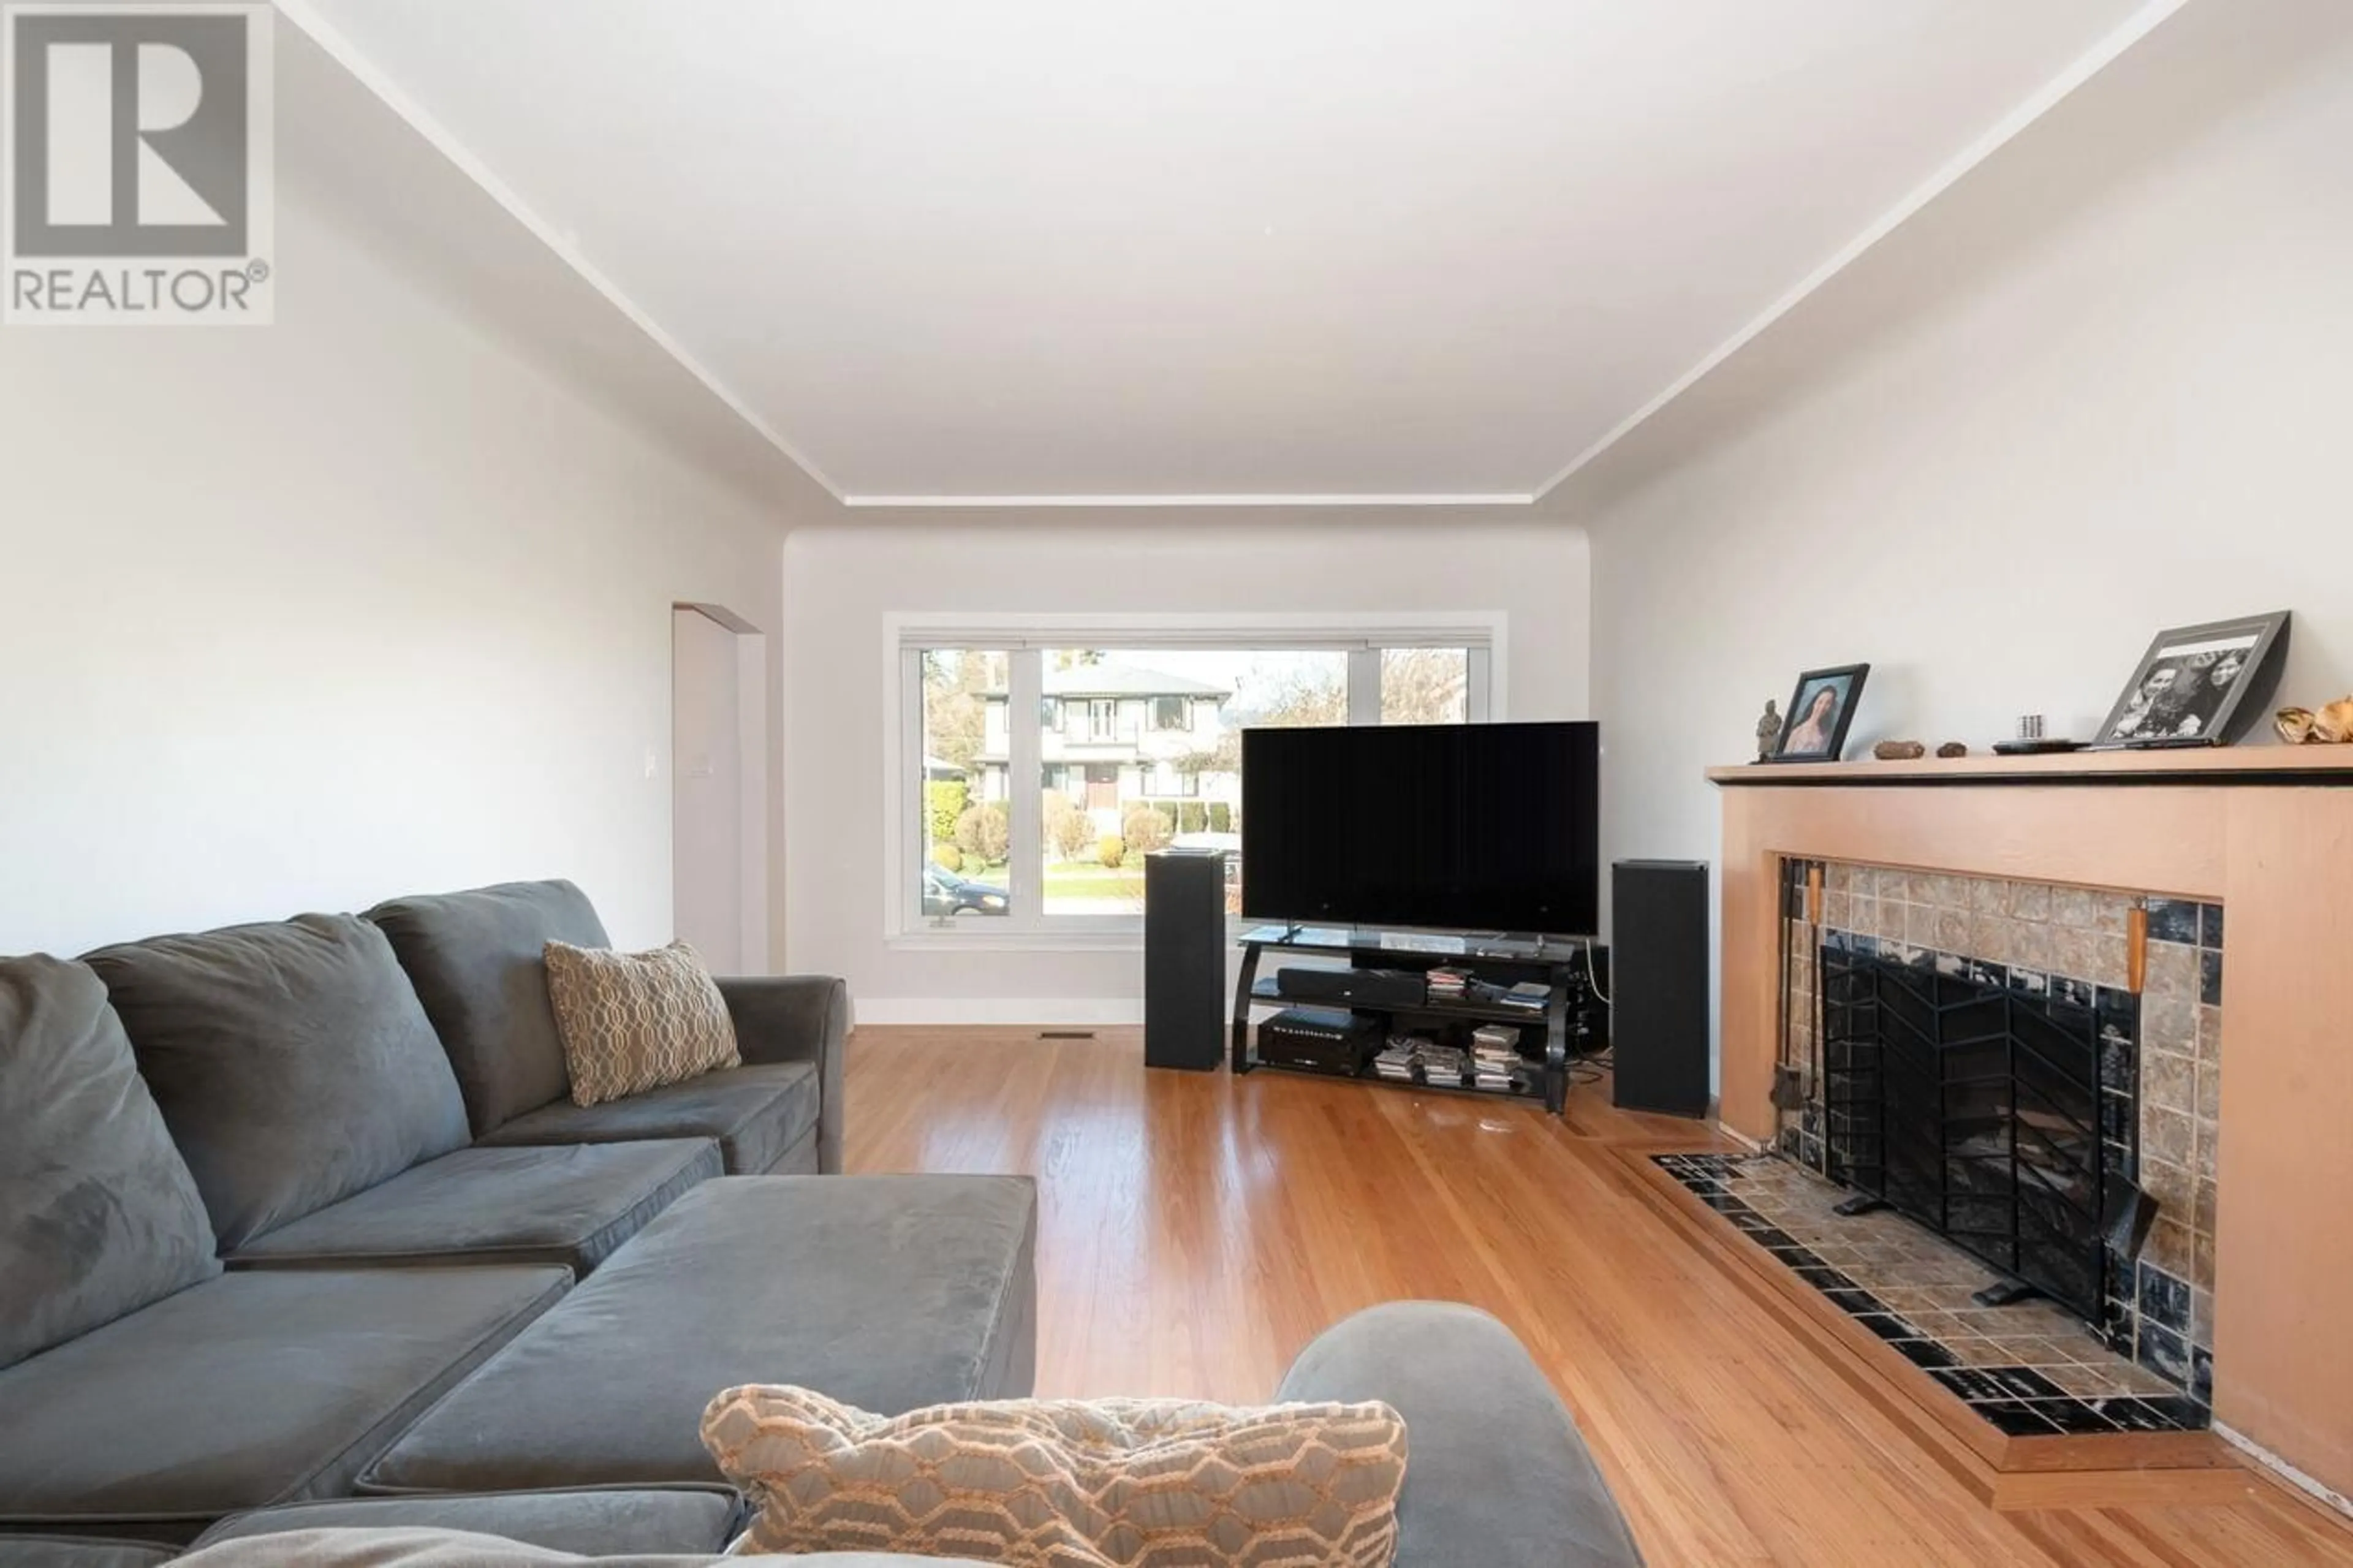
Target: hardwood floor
1197, 1230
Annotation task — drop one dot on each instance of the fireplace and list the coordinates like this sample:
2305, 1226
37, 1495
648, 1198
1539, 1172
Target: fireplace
1973, 1108
1981, 1054
2113, 871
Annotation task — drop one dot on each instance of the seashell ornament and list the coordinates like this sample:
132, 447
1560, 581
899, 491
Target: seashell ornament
2332, 726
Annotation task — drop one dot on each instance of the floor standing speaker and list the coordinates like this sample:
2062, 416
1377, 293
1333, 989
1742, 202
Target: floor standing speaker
1185, 959
1658, 985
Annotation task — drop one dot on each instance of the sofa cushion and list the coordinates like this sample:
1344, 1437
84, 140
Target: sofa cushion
637, 1021
569, 1206
1067, 1483
756, 1113
591, 1523
101, 1217
476, 959
889, 1291
245, 1391
1500, 1477
292, 1063
413, 1548
81, 1551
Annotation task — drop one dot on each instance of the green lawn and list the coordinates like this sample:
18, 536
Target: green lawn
1086, 879
1070, 878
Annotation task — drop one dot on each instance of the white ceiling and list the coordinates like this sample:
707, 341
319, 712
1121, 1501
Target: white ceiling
1276, 248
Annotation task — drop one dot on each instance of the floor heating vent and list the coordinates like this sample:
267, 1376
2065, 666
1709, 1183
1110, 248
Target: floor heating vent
1066, 1033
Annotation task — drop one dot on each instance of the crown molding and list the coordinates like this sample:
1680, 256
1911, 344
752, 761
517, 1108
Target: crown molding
1028, 503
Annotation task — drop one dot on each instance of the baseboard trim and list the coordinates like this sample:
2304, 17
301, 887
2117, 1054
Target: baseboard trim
1000, 1011
2318, 1492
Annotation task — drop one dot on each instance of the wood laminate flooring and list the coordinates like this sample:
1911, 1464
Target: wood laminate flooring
1197, 1229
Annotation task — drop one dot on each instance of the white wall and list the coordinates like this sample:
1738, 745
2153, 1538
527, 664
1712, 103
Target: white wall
2101, 387
365, 603
840, 582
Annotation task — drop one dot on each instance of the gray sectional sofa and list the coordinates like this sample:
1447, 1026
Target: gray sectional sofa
300, 1235
274, 1194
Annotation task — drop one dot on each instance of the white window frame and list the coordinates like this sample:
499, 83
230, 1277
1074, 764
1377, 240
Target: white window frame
907, 635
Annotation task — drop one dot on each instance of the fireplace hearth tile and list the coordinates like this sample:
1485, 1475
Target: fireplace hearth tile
1887, 1326
2173, 920
2162, 1413
2172, 969
2164, 1300
1926, 1354
2072, 1417
2165, 1352
2029, 1370
2210, 926
2018, 1417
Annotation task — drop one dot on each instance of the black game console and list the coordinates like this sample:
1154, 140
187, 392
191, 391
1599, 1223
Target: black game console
1354, 987
1324, 1038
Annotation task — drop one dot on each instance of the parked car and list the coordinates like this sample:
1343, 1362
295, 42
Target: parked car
946, 893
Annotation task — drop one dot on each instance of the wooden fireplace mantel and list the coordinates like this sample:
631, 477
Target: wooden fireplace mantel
2265, 831
2220, 765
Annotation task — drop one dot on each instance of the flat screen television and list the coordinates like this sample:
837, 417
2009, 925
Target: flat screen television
1458, 827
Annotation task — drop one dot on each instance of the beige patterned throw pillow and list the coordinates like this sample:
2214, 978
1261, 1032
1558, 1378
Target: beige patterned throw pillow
1037, 1483
635, 1021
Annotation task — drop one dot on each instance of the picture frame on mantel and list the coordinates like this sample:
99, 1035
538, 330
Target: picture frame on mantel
1821, 710
2199, 686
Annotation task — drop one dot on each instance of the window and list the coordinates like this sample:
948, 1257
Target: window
1425, 685
1163, 783
966, 826
1135, 746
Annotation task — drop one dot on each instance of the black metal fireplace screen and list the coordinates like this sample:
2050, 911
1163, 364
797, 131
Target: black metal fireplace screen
1972, 1108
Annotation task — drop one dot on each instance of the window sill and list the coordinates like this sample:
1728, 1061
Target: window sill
1127, 937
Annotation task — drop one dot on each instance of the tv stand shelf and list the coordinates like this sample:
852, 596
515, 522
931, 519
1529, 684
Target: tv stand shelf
1566, 1018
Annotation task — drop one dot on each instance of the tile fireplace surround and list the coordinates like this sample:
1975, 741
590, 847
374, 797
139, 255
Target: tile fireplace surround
2160, 1059
2224, 1076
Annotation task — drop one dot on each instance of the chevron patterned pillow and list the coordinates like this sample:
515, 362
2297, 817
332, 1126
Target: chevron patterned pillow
1038, 1483
635, 1021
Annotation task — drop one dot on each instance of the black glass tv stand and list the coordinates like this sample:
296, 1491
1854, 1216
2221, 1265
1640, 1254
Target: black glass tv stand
1568, 1021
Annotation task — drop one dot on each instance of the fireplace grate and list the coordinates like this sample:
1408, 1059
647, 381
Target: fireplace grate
1974, 1109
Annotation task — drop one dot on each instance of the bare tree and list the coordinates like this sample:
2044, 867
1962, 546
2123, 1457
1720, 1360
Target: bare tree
1068, 829
955, 703
1424, 686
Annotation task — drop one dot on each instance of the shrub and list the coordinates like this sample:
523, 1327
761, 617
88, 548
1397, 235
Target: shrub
944, 804
985, 831
1145, 829
947, 858
1069, 830
1221, 816
1110, 851
1192, 816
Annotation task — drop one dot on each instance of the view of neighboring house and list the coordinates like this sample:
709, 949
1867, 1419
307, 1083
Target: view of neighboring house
1116, 736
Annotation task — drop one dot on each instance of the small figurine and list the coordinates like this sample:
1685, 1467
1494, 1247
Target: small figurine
1899, 750
1951, 749
1768, 730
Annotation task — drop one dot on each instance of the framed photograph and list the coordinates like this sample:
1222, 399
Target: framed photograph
2199, 686
1820, 711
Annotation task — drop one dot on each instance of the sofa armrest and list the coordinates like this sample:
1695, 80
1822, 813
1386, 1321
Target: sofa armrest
796, 1018
1496, 1476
